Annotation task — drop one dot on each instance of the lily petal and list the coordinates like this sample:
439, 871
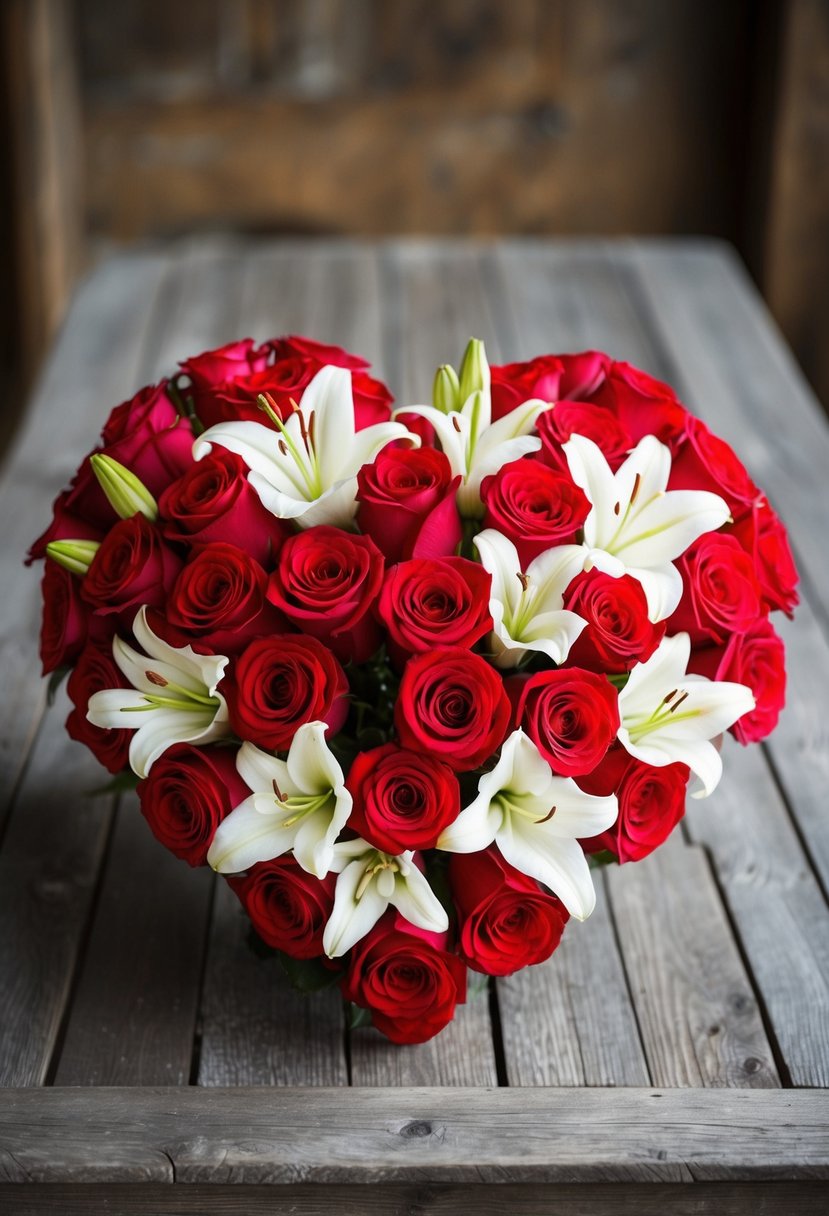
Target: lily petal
558, 863
246, 836
351, 918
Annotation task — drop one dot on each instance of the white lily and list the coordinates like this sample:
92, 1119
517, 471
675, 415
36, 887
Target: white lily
527, 608
307, 469
475, 445
637, 526
536, 819
300, 803
369, 881
173, 698
670, 716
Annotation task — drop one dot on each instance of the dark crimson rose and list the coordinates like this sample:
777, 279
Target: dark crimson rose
214, 501
756, 659
372, 400
297, 361
515, 383
642, 404
309, 353
506, 920
326, 583
215, 370
534, 506
407, 503
407, 978
651, 804
288, 907
219, 598
572, 717
94, 671
279, 683
66, 526
703, 461
149, 412
435, 601
618, 632
595, 422
148, 437
402, 799
133, 566
762, 534
63, 628
452, 705
189, 791
582, 374
721, 594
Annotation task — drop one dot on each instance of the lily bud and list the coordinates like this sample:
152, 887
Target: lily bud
127, 495
446, 390
474, 370
74, 555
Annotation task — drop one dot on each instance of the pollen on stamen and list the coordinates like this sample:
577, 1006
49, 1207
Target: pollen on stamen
523, 580
456, 424
277, 791
549, 815
677, 703
667, 700
617, 508
637, 481
312, 426
283, 447
156, 679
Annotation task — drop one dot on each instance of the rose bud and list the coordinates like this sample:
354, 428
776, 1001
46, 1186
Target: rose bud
721, 594
407, 978
219, 598
651, 804
189, 791
757, 659
572, 717
407, 503
434, 601
279, 683
63, 629
326, 583
132, 567
288, 907
452, 704
535, 507
94, 671
214, 501
402, 799
506, 920
619, 633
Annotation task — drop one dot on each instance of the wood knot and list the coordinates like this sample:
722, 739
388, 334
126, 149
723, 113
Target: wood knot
420, 1129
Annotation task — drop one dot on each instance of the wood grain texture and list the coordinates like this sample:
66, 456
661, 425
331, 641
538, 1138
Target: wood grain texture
424, 1199
288, 1136
696, 1009
570, 1020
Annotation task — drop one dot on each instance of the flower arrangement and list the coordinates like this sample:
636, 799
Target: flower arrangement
404, 678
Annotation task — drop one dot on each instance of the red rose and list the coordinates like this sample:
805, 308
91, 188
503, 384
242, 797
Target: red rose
309, 353
288, 908
721, 594
515, 383
214, 501
279, 683
302, 358
188, 793
402, 799
619, 633
372, 400
582, 375
595, 422
63, 628
534, 506
219, 598
763, 536
435, 601
452, 704
66, 526
643, 404
407, 503
325, 583
94, 671
149, 412
572, 717
132, 567
757, 659
149, 438
651, 804
214, 369
407, 978
703, 461
506, 920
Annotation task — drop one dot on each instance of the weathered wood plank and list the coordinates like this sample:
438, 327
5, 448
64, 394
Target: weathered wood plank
699, 1019
523, 1199
570, 1021
261, 1135
48, 866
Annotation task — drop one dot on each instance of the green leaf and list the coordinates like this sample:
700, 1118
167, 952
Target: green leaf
356, 1016
55, 680
309, 974
119, 784
603, 858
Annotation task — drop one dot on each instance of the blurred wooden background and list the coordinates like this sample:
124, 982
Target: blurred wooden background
147, 118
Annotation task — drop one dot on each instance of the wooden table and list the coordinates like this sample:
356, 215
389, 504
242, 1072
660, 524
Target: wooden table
672, 1056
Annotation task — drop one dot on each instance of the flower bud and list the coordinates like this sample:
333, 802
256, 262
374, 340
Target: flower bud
474, 370
74, 555
127, 495
446, 391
